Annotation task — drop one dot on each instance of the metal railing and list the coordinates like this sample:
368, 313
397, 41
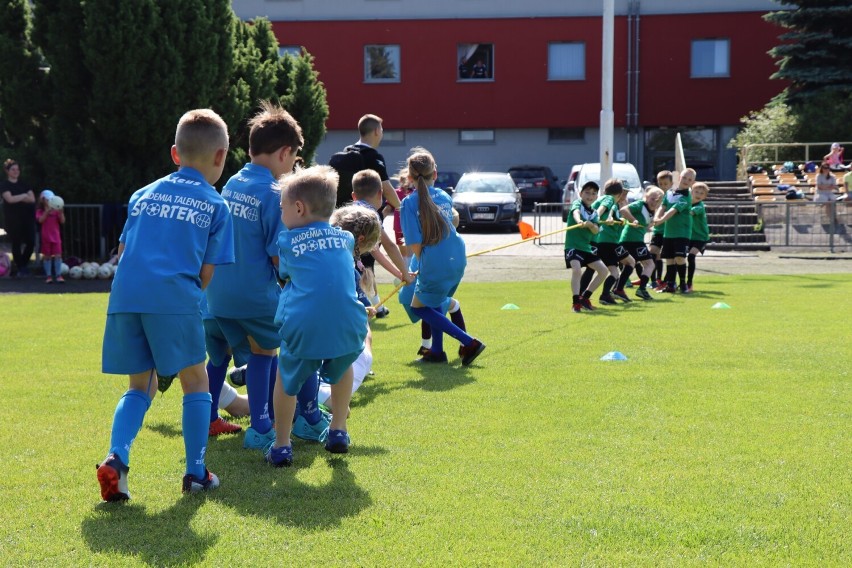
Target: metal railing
90, 232
748, 224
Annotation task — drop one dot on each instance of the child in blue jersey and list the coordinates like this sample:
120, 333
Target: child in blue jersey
178, 229
427, 225
244, 296
322, 323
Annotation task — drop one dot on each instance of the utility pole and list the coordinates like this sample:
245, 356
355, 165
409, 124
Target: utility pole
607, 116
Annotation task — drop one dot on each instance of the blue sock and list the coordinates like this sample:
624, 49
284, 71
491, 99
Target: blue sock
257, 388
127, 421
48, 267
440, 323
196, 412
57, 267
307, 398
273, 376
216, 375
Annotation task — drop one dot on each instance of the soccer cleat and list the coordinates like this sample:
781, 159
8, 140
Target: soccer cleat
620, 294
643, 293
422, 351
254, 440
587, 304
307, 431
637, 282
336, 441
222, 426
577, 308
112, 476
471, 352
607, 300
659, 285
382, 312
237, 376
164, 382
192, 484
280, 457
685, 290
432, 357
666, 290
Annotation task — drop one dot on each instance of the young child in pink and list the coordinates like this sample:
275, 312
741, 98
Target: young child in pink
51, 237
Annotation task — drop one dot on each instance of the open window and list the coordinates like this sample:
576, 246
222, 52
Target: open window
476, 62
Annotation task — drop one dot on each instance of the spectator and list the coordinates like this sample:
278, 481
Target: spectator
826, 184
835, 157
19, 201
464, 70
480, 70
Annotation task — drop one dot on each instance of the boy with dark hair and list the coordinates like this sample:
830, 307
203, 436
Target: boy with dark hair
244, 296
178, 229
578, 247
675, 212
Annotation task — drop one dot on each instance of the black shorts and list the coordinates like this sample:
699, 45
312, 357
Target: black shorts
368, 261
657, 240
638, 251
581, 256
675, 247
700, 245
611, 253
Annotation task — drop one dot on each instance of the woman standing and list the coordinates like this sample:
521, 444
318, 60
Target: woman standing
19, 202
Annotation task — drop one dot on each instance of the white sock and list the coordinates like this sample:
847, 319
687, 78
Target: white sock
455, 306
427, 343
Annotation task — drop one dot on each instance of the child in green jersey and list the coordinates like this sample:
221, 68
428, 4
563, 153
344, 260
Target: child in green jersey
700, 230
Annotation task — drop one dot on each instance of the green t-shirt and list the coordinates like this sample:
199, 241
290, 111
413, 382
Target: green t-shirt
700, 230
580, 239
679, 226
608, 234
643, 216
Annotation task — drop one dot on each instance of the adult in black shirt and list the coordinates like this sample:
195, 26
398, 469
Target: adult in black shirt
370, 134
19, 205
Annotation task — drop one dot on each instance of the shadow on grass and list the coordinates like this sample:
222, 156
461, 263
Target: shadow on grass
369, 390
164, 539
440, 377
279, 495
165, 429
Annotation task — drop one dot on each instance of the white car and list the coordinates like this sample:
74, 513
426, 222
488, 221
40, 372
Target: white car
592, 172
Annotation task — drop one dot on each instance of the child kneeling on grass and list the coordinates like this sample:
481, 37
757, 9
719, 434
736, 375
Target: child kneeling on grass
153, 318
322, 323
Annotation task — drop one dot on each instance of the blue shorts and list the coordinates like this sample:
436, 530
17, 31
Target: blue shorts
135, 343
218, 347
263, 330
294, 371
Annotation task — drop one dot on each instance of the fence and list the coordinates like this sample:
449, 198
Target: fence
746, 224
91, 231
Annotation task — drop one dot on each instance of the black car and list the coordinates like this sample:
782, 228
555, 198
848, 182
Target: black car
447, 181
487, 199
537, 184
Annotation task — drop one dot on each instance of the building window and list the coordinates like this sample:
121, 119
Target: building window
393, 137
476, 136
476, 61
381, 64
566, 61
565, 135
711, 58
293, 50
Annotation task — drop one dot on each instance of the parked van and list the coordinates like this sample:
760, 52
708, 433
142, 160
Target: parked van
583, 173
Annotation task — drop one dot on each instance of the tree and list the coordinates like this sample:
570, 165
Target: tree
306, 100
814, 54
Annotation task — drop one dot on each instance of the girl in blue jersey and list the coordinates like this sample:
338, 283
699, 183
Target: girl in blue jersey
322, 323
427, 226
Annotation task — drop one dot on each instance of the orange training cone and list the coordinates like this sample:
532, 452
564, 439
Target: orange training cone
527, 230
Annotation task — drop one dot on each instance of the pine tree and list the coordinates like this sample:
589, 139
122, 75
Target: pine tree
306, 100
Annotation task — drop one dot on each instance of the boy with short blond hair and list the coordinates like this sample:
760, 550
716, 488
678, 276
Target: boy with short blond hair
665, 180
633, 235
153, 318
700, 230
322, 324
675, 213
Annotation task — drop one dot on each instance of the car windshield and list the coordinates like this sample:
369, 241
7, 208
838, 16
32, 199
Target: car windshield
485, 185
627, 178
446, 179
526, 174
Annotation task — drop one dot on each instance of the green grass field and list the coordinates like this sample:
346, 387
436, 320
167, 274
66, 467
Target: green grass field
723, 440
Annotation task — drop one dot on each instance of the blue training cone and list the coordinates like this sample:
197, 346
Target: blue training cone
614, 356
510, 307
720, 306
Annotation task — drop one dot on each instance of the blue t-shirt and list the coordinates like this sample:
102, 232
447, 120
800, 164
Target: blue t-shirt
319, 314
174, 225
248, 288
442, 264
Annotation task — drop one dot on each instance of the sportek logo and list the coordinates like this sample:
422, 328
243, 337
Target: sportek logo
176, 212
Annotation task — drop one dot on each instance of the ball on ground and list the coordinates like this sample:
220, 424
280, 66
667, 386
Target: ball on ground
75, 272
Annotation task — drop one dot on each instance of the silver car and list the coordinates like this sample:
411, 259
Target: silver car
487, 199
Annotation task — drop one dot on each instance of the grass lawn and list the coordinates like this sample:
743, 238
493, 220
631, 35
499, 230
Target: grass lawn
725, 439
